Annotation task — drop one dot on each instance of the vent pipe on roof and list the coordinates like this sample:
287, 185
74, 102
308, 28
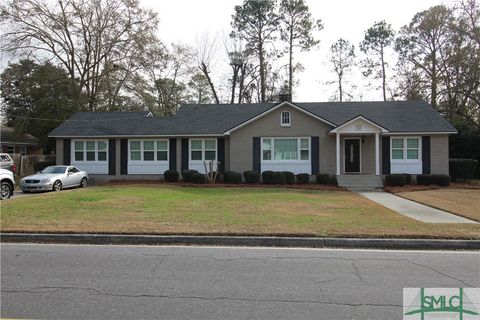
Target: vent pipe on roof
282, 97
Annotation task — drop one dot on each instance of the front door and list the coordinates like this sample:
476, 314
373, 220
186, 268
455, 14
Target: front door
352, 155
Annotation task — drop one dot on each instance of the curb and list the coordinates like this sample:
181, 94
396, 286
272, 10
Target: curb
293, 242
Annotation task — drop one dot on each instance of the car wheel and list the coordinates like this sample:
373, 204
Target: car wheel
5, 190
57, 185
83, 183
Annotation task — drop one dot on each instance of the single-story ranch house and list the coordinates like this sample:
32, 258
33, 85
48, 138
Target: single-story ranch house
342, 138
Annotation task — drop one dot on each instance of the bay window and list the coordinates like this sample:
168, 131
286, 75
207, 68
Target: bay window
148, 150
90, 150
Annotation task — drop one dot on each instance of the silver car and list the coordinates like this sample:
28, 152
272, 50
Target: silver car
55, 178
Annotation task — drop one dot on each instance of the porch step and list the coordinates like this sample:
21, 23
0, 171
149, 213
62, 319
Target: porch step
360, 182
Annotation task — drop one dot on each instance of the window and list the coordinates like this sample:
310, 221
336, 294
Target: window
286, 149
405, 148
203, 149
285, 119
90, 150
73, 170
148, 150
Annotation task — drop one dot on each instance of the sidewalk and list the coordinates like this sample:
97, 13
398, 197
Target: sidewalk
413, 209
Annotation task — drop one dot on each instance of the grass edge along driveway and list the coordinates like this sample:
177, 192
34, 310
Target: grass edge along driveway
164, 209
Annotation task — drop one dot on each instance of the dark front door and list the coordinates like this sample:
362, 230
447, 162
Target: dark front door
352, 155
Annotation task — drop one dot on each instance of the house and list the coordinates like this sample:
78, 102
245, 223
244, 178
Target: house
23, 143
362, 138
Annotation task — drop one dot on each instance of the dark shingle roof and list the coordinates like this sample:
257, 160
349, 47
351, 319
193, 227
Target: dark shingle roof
8, 135
219, 118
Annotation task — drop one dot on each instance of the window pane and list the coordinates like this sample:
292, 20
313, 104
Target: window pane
162, 145
397, 143
210, 155
267, 155
78, 155
134, 145
412, 154
397, 154
196, 155
148, 145
285, 149
196, 144
135, 155
285, 117
102, 145
161, 155
78, 145
412, 143
102, 156
90, 146
148, 156
304, 144
303, 154
90, 155
267, 144
210, 144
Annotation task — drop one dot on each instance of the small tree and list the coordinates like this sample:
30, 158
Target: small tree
342, 57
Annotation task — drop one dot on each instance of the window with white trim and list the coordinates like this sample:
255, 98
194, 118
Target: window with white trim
407, 148
148, 150
203, 149
285, 149
90, 150
285, 119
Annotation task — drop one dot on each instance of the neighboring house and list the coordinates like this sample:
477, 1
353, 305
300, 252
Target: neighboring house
370, 138
23, 143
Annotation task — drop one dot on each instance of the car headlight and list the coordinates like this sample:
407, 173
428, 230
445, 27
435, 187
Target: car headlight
45, 181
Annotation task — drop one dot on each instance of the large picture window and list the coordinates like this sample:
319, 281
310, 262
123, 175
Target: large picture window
90, 150
203, 149
405, 148
285, 149
148, 150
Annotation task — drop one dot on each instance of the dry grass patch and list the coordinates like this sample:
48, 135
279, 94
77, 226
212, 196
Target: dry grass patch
163, 209
463, 202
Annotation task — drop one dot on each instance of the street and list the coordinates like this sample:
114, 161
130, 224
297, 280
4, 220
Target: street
142, 282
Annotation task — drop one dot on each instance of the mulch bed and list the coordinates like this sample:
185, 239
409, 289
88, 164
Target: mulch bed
414, 187
310, 186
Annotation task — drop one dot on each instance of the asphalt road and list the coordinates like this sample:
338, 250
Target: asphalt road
138, 282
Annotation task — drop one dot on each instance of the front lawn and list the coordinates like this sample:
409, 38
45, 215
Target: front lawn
464, 202
163, 209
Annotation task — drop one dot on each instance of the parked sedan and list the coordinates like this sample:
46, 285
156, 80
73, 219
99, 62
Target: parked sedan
55, 178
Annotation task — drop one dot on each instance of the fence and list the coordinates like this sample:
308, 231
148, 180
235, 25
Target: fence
26, 164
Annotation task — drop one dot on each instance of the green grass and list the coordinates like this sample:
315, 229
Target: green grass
163, 209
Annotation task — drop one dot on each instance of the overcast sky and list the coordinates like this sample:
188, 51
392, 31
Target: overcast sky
186, 20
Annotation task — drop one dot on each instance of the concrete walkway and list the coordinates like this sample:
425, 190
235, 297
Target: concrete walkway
413, 209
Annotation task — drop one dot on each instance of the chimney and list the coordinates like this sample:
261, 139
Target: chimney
282, 97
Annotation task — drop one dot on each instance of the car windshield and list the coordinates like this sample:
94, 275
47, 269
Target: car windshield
54, 170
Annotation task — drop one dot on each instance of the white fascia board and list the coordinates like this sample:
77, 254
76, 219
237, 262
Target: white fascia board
335, 130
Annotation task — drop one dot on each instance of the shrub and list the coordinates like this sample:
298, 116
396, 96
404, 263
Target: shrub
267, 177
171, 175
423, 179
187, 175
303, 178
232, 177
396, 180
440, 180
279, 177
290, 177
462, 169
198, 178
322, 178
219, 177
251, 177
408, 178
333, 180
39, 166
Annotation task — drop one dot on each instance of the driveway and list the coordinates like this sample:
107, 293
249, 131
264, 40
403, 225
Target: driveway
139, 282
413, 209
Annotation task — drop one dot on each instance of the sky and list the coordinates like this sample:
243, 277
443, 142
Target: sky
185, 21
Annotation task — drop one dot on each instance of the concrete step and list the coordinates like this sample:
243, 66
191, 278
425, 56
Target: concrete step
360, 182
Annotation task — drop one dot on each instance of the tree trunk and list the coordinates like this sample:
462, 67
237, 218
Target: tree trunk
205, 71
384, 76
340, 90
290, 63
241, 83
234, 82
433, 86
262, 71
